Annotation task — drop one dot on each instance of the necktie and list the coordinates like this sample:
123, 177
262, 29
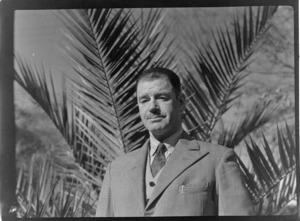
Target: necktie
159, 159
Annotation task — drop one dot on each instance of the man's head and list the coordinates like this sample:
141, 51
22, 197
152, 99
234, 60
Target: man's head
160, 101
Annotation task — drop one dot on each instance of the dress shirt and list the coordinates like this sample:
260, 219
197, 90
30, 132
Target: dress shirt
169, 142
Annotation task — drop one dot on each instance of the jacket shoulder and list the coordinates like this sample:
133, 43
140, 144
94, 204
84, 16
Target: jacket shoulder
212, 147
126, 159
216, 151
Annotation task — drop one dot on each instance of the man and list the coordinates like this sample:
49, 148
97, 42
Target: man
171, 174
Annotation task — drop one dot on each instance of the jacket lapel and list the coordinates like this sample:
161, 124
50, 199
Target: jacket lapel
186, 153
136, 173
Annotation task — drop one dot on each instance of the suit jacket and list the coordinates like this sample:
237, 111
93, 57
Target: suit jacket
199, 179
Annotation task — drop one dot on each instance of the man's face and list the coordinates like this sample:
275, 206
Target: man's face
159, 108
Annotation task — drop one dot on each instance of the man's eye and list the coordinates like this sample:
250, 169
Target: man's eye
164, 98
143, 101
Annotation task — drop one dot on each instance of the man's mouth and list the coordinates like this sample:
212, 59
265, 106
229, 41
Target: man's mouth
155, 118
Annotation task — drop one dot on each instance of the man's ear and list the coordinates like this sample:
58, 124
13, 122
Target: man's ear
182, 101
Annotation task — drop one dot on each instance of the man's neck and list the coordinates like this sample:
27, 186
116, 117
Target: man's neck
166, 139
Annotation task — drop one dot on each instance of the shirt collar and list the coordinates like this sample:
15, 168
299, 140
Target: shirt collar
169, 142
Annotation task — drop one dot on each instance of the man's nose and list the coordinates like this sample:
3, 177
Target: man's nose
153, 105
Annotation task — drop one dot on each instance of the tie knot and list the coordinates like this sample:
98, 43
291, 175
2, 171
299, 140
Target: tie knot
161, 148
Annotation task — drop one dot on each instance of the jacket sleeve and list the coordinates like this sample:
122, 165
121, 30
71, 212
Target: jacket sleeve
104, 206
233, 197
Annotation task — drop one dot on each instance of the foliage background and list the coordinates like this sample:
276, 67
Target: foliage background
271, 79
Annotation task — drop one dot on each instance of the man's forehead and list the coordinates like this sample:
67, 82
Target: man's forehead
161, 86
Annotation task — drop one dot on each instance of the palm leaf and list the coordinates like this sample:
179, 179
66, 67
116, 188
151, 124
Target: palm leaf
275, 176
49, 190
36, 194
258, 116
33, 79
109, 47
220, 64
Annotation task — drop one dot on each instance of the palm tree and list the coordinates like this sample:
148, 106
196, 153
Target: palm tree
109, 47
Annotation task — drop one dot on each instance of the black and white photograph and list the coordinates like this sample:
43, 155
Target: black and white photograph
150, 111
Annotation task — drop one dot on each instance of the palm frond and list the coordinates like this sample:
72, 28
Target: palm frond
220, 65
48, 190
273, 185
259, 115
153, 32
33, 79
109, 47
109, 62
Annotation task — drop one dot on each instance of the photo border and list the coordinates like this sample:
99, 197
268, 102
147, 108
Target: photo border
7, 118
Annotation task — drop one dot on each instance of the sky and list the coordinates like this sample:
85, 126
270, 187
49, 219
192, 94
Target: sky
36, 37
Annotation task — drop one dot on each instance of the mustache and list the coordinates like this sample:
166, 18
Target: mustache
153, 116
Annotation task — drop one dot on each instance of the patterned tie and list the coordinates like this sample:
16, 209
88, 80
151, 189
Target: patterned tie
159, 160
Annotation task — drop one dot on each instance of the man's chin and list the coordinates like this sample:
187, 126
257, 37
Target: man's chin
156, 130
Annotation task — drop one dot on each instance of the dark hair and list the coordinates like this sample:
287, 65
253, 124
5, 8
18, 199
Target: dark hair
157, 73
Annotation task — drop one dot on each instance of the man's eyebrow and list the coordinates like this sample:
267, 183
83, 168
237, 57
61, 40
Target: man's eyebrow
155, 95
162, 93
143, 96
